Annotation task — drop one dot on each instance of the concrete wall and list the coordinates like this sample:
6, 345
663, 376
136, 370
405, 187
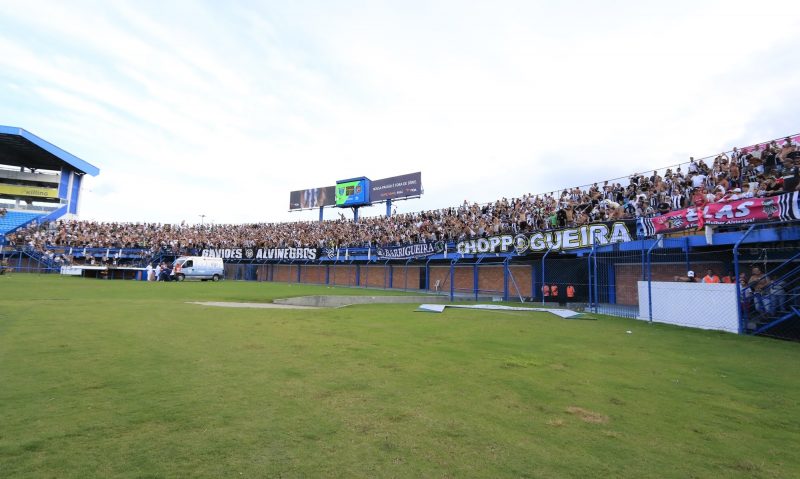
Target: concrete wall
397, 276
695, 305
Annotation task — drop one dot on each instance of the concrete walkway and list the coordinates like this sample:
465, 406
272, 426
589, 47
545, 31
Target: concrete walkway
250, 305
339, 301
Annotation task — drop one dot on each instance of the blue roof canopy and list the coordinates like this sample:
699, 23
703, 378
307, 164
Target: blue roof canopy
19, 147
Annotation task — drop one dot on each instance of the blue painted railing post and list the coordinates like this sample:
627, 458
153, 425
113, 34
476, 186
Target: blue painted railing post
642, 261
596, 286
688, 259
475, 277
505, 278
742, 325
299, 272
612, 284
650, 281
453, 279
591, 278
543, 272
366, 273
428, 275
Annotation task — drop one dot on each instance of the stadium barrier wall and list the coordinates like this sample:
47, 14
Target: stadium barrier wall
694, 305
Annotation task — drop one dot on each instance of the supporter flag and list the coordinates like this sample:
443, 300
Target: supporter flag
789, 206
681, 220
369, 253
785, 207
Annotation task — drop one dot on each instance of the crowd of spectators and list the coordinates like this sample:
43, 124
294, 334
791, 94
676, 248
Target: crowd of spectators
760, 170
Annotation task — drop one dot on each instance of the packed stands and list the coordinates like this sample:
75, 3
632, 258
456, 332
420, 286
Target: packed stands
760, 170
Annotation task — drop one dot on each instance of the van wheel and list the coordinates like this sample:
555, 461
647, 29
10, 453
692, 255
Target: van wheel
215, 277
180, 277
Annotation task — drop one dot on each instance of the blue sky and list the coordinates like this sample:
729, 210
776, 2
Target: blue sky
222, 108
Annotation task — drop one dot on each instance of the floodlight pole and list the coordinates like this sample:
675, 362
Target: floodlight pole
202, 220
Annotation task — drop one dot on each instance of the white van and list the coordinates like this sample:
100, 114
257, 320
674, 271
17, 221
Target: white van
198, 267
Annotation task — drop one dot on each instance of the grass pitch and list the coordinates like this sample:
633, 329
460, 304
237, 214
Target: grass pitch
124, 379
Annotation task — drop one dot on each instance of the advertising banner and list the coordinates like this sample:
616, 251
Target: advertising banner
556, 240
401, 186
261, 254
418, 250
312, 198
785, 207
71, 270
35, 191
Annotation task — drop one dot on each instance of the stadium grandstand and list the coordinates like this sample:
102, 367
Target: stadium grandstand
728, 218
39, 182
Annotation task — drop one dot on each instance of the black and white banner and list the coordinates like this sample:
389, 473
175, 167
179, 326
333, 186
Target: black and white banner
417, 250
261, 254
556, 240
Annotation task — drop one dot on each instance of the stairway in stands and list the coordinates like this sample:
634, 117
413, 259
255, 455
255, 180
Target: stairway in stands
773, 308
13, 220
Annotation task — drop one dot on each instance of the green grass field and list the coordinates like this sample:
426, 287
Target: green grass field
124, 379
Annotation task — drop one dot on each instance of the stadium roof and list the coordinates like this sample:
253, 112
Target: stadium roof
22, 148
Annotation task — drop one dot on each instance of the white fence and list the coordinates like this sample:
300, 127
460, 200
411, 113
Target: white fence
695, 305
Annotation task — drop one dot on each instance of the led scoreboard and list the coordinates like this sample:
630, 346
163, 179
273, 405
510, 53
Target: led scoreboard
353, 192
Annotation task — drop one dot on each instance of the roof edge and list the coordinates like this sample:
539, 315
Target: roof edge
69, 158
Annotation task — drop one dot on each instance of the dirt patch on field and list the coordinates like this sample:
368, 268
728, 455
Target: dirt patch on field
555, 422
588, 416
250, 305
